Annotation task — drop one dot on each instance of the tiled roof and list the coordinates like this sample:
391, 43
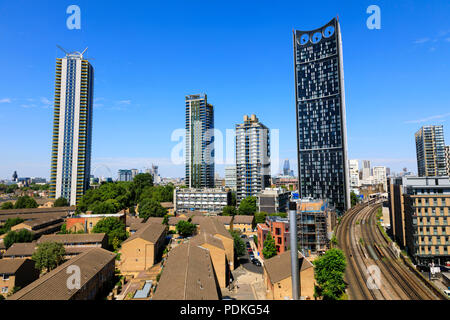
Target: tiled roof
38, 210
151, 232
279, 267
73, 238
204, 237
187, 275
213, 226
21, 249
53, 285
10, 266
238, 219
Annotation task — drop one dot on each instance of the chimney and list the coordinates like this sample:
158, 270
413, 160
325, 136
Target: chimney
295, 273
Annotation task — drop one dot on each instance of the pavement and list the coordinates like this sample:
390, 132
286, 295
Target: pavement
247, 286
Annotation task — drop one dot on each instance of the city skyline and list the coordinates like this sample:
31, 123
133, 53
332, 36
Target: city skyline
132, 103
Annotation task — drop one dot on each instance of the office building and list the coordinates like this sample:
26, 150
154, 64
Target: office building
273, 200
199, 142
125, 175
230, 177
252, 158
72, 128
286, 168
366, 171
379, 176
430, 149
419, 213
354, 173
208, 200
321, 120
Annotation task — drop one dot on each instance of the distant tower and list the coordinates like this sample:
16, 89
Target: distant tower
430, 149
286, 168
252, 158
14, 176
72, 128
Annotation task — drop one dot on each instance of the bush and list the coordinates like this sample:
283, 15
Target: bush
17, 237
7, 206
25, 202
185, 228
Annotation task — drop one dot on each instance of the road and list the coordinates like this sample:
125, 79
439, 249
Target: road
246, 262
373, 271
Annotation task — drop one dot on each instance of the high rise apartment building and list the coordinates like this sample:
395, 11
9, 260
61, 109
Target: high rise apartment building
230, 177
72, 128
199, 142
321, 120
380, 177
354, 173
447, 159
252, 158
430, 149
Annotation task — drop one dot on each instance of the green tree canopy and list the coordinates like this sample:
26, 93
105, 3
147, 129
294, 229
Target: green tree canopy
354, 198
114, 229
329, 274
7, 206
17, 237
269, 249
61, 202
247, 206
239, 245
260, 217
151, 208
25, 202
48, 256
229, 211
185, 228
140, 182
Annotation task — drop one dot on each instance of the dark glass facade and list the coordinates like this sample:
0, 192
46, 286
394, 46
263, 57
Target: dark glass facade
320, 110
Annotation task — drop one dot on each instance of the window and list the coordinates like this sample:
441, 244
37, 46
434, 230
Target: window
4, 289
5, 277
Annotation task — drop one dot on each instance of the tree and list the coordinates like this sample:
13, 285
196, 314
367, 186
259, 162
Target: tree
7, 206
239, 245
247, 206
2, 297
354, 198
61, 202
140, 182
9, 223
229, 211
269, 249
166, 220
114, 229
11, 188
329, 274
25, 202
233, 199
185, 228
48, 256
260, 217
151, 208
17, 237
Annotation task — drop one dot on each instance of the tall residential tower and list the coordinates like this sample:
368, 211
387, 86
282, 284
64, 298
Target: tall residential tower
430, 149
72, 128
252, 158
199, 142
320, 108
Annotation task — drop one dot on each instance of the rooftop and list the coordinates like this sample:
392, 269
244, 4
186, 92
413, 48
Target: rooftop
151, 232
10, 266
21, 250
279, 267
73, 238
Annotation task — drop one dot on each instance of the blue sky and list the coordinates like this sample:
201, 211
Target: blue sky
148, 55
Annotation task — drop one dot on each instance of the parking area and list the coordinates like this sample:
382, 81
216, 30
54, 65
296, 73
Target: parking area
251, 253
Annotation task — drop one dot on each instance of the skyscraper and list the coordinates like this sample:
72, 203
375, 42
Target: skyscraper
199, 142
252, 158
430, 149
72, 128
366, 170
230, 177
379, 176
125, 175
321, 123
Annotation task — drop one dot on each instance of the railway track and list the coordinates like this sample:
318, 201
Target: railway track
397, 282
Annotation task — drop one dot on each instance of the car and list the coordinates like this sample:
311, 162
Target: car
252, 256
243, 236
257, 263
447, 293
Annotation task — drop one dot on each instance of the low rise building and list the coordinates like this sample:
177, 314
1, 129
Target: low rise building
278, 228
41, 226
96, 267
170, 207
20, 250
143, 249
273, 200
244, 224
315, 221
208, 200
16, 273
278, 277
86, 222
218, 256
188, 274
